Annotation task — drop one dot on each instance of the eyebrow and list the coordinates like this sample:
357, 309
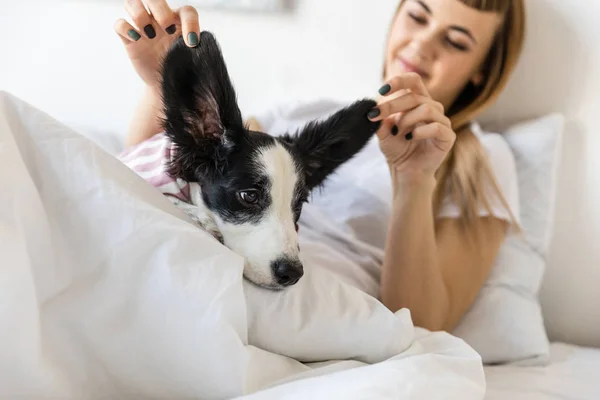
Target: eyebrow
425, 6
453, 27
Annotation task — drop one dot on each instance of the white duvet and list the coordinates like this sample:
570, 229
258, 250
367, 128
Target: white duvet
106, 291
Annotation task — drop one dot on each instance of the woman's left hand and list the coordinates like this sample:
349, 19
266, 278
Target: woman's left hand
415, 135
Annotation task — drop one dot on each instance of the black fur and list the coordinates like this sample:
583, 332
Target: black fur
325, 145
200, 106
214, 148
220, 193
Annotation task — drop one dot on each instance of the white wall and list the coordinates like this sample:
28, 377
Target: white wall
63, 57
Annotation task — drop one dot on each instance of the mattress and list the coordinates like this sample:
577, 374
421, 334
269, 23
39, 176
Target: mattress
573, 373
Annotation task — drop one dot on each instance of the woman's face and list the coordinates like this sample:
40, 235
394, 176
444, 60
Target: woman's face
444, 41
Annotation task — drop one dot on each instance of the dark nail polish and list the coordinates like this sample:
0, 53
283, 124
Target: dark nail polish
374, 113
385, 89
409, 136
171, 30
394, 130
193, 39
150, 32
134, 35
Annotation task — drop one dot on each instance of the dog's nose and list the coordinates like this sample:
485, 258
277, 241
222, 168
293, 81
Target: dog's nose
287, 272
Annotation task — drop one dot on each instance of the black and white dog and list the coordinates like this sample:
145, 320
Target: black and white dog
247, 187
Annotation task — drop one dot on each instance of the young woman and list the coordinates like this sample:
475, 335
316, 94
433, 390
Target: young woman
450, 189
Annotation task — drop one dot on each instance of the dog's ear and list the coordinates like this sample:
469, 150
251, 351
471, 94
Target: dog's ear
325, 145
202, 116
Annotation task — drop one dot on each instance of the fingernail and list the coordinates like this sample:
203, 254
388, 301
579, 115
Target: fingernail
171, 30
385, 89
374, 113
409, 136
394, 130
193, 39
150, 32
134, 35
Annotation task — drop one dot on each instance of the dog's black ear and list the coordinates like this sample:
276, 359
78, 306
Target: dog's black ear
202, 116
325, 145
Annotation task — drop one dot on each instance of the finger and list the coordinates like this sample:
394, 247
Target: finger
140, 17
400, 104
424, 114
410, 80
190, 25
253, 124
127, 33
442, 134
163, 14
387, 129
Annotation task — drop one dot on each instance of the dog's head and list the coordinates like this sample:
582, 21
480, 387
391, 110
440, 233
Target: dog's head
254, 184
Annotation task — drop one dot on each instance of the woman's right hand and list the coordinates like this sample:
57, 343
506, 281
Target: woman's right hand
150, 36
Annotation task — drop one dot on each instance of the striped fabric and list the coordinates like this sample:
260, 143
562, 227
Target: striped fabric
149, 160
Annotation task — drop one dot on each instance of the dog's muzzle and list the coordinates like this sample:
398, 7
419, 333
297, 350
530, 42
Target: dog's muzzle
287, 272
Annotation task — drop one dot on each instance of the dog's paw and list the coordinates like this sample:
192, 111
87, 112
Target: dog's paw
200, 219
209, 226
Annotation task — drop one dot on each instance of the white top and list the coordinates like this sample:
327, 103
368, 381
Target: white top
347, 220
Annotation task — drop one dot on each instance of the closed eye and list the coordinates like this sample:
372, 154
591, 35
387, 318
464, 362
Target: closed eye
457, 46
423, 21
419, 20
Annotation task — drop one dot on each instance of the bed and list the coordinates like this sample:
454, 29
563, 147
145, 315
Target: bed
572, 373
77, 307
108, 291
98, 355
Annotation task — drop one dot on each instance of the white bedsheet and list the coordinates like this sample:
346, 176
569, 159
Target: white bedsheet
106, 291
573, 373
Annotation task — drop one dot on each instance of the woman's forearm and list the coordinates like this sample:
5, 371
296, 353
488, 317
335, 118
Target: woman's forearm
146, 119
411, 277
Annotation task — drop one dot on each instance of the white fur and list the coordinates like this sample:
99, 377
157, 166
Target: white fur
275, 236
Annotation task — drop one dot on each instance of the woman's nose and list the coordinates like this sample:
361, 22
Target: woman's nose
423, 45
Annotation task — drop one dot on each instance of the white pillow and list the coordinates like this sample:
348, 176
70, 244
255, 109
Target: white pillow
536, 145
505, 323
322, 318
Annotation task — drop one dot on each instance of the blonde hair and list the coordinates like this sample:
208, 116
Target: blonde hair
466, 172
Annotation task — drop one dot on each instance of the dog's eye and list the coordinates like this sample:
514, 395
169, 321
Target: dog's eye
249, 197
